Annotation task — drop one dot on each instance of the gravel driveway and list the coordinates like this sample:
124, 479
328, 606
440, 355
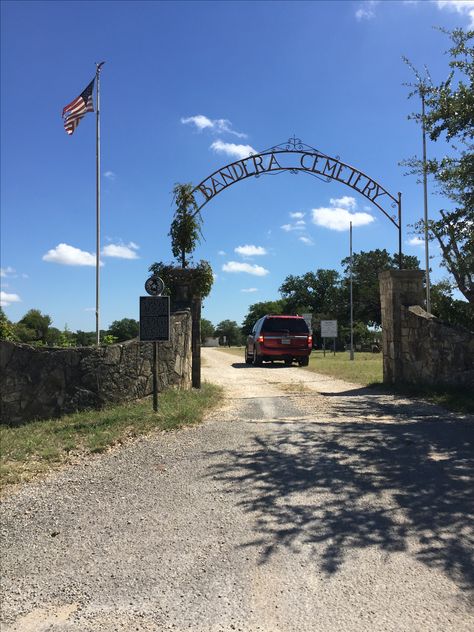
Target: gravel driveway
304, 504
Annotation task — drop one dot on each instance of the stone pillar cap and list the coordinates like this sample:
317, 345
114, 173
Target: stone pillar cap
401, 274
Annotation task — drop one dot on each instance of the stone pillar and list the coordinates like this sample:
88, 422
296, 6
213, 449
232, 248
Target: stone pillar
196, 341
184, 299
397, 288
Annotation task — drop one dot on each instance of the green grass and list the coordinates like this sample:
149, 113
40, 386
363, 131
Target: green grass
366, 368
40, 446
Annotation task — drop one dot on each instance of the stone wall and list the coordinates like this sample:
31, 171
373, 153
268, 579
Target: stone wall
417, 346
39, 383
434, 352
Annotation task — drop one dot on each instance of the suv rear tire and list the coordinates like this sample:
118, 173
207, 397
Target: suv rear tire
303, 362
257, 360
248, 359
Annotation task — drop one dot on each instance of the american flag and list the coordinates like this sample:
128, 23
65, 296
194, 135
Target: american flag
73, 112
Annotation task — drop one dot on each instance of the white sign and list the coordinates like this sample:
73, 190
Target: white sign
329, 329
308, 320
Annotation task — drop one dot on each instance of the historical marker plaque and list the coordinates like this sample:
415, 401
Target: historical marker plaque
154, 318
329, 329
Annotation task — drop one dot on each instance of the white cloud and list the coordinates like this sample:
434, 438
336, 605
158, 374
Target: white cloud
237, 266
7, 272
202, 122
89, 309
307, 241
121, 251
233, 150
221, 253
110, 175
250, 251
7, 299
297, 215
463, 7
69, 256
346, 201
298, 225
416, 241
338, 216
249, 289
366, 10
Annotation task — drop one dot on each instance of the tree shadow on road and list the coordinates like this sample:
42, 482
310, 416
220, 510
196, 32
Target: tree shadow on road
350, 485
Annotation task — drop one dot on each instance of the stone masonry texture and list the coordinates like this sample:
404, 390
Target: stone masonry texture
417, 346
40, 383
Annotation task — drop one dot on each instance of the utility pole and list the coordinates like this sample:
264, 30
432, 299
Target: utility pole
352, 306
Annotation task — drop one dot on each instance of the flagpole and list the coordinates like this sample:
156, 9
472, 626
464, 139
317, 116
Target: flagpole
425, 204
97, 165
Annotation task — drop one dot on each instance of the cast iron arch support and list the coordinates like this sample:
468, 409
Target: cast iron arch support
294, 157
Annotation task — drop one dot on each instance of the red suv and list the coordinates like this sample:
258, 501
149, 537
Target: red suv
279, 338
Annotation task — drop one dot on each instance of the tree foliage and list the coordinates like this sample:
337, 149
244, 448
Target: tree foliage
366, 267
448, 309
207, 329
34, 327
7, 328
200, 278
325, 293
124, 329
450, 116
185, 231
257, 310
231, 331
319, 292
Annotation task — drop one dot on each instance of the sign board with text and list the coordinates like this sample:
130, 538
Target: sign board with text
329, 329
154, 318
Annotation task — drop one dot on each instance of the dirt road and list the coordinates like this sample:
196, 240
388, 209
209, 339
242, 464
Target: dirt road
304, 504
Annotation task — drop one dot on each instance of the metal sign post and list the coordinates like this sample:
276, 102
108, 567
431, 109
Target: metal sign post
154, 323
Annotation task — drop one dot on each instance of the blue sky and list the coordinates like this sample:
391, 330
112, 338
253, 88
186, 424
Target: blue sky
187, 88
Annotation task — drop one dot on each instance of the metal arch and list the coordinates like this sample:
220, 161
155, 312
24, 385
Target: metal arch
267, 162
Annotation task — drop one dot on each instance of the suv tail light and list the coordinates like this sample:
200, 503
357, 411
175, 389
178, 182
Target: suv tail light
260, 339
310, 341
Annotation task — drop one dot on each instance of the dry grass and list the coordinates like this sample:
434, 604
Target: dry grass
37, 447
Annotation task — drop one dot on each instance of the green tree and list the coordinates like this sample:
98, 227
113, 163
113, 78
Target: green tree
124, 329
85, 338
319, 291
257, 310
109, 340
200, 278
365, 270
54, 337
450, 116
207, 329
230, 330
34, 326
7, 328
185, 231
448, 309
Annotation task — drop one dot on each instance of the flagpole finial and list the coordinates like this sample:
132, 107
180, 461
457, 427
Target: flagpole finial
99, 65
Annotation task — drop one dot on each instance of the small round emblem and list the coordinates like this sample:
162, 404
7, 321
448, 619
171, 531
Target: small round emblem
154, 286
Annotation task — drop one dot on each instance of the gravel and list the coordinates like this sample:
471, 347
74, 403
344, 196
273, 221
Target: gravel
304, 503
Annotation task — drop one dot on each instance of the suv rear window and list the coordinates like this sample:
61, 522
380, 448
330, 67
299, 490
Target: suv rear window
291, 325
